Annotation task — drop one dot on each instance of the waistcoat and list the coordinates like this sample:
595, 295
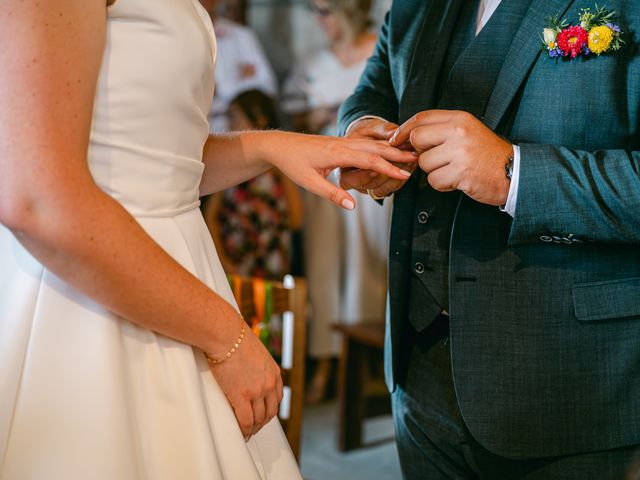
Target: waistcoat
468, 75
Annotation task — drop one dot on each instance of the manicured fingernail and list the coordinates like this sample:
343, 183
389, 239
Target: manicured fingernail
405, 173
348, 204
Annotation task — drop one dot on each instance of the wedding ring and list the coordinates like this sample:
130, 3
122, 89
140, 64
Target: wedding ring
374, 196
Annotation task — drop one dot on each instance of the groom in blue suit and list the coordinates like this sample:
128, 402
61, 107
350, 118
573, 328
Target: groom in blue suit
513, 341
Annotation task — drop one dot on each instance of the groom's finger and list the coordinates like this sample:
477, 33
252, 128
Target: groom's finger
428, 117
444, 179
426, 137
372, 128
358, 179
387, 184
436, 158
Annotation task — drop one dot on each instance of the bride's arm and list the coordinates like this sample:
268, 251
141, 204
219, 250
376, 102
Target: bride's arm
306, 159
51, 57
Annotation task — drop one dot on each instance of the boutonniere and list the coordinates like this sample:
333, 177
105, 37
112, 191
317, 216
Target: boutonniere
597, 33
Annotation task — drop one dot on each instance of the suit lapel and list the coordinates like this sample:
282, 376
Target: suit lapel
524, 51
428, 54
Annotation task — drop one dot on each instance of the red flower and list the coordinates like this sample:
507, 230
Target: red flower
572, 40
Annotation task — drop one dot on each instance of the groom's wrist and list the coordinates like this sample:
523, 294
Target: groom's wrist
512, 196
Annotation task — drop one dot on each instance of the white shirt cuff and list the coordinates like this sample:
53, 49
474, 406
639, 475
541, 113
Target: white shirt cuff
512, 198
364, 117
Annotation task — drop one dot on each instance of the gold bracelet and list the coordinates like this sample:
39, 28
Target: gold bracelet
227, 356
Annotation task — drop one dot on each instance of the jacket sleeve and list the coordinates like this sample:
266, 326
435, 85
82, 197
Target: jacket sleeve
375, 94
572, 196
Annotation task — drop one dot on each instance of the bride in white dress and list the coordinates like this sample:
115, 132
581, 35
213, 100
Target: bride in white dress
110, 287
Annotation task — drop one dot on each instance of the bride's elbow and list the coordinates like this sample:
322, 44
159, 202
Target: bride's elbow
32, 215
17, 211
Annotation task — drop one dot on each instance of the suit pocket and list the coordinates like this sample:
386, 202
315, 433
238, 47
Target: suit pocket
607, 300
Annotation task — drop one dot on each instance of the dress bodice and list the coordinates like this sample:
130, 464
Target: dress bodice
150, 114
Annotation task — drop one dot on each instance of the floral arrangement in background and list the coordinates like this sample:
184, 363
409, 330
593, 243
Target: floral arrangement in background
597, 33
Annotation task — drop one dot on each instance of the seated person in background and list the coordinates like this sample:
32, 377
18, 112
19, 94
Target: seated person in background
241, 64
255, 225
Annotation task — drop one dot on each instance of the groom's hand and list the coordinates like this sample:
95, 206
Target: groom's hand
363, 180
459, 152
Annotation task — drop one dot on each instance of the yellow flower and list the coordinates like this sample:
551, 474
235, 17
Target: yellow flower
600, 39
551, 45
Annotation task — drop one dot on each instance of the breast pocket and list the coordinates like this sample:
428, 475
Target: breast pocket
577, 103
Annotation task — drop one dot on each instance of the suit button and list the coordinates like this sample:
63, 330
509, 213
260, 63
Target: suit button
423, 217
546, 239
419, 268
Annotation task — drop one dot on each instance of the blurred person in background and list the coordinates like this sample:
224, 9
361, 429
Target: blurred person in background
349, 287
257, 225
241, 63
318, 85
233, 10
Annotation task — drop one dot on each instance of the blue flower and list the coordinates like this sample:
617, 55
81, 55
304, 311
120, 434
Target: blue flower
614, 27
555, 52
586, 51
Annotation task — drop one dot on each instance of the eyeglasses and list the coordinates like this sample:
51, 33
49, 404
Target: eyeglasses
320, 11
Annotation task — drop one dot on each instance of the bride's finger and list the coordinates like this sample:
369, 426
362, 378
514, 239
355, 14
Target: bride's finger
386, 151
271, 404
323, 188
373, 162
244, 415
259, 414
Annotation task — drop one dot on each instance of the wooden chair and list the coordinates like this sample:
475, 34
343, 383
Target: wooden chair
288, 298
361, 394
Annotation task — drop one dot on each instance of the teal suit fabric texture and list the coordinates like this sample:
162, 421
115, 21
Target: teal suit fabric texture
545, 306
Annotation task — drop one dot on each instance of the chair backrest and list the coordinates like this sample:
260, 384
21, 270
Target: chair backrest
289, 299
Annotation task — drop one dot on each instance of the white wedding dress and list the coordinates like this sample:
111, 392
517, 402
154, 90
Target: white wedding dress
85, 394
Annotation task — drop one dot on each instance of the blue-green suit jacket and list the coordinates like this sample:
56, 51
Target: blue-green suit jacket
545, 340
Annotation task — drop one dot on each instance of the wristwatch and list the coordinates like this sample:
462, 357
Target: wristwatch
509, 167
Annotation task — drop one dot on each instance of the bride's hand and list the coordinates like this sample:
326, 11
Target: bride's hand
252, 382
309, 159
